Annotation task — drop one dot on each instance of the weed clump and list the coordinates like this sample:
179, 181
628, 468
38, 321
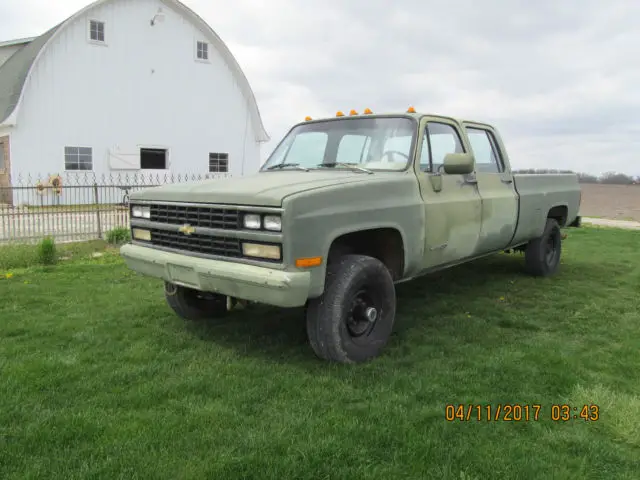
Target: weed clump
118, 235
47, 252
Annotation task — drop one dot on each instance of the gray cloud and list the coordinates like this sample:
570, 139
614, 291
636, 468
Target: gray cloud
559, 79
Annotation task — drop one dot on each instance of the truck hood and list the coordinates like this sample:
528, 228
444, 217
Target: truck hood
260, 189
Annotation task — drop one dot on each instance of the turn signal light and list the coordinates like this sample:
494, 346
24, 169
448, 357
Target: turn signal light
308, 262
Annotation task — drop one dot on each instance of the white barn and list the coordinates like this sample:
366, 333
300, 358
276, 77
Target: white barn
125, 87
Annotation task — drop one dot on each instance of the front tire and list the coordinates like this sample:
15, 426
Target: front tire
193, 304
352, 321
542, 255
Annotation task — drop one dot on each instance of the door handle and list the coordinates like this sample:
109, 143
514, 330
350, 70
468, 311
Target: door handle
506, 180
471, 181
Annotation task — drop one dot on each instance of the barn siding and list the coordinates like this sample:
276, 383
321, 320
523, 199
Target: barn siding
144, 88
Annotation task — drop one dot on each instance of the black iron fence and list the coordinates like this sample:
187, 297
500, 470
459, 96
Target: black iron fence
74, 206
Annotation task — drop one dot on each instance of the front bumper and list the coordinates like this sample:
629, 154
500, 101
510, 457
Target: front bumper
246, 282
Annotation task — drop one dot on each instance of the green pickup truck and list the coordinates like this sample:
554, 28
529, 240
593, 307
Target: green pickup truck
345, 208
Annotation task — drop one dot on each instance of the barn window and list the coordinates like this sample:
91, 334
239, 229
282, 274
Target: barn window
218, 162
202, 51
96, 30
153, 159
78, 158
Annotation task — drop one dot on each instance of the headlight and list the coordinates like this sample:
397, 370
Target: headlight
141, 212
273, 222
252, 221
262, 251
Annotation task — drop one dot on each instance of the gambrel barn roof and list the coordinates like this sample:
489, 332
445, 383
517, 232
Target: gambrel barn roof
14, 73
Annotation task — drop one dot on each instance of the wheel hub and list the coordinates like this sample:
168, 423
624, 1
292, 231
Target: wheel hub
371, 313
362, 316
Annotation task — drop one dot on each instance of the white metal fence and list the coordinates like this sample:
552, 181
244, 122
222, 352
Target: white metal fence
74, 206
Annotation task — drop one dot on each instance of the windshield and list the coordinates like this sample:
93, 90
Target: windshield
377, 143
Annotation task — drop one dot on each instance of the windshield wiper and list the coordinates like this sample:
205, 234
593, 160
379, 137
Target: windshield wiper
284, 165
348, 165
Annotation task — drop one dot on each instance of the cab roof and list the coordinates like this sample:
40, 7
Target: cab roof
410, 113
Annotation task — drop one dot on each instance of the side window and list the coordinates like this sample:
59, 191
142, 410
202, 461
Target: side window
483, 150
307, 149
353, 148
444, 139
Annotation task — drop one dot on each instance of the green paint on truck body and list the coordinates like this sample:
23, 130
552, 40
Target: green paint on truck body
397, 202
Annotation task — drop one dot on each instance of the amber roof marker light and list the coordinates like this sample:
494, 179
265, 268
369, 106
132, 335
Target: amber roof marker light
411, 110
353, 112
367, 111
307, 118
339, 114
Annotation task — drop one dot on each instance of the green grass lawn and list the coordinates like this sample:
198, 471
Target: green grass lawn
101, 380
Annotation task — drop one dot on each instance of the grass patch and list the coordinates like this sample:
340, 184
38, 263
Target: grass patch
101, 380
19, 256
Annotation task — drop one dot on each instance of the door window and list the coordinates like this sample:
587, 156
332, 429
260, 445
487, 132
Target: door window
483, 150
443, 139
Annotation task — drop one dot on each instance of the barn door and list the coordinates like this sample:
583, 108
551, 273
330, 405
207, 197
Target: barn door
5, 172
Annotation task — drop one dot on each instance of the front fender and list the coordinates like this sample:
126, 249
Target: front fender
314, 219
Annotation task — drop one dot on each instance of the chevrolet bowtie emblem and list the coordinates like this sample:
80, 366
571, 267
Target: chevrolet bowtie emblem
187, 229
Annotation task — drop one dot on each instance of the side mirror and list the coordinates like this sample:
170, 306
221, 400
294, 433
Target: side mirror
459, 163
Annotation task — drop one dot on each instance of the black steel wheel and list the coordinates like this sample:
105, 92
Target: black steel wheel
353, 319
542, 255
193, 304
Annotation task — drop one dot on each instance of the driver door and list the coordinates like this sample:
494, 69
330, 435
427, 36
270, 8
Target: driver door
452, 203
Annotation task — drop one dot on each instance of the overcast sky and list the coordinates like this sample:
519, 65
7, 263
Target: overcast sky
559, 78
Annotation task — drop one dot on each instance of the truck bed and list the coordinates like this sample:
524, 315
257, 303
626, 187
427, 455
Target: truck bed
538, 194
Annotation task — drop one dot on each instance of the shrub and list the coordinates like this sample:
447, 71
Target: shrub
47, 254
118, 235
